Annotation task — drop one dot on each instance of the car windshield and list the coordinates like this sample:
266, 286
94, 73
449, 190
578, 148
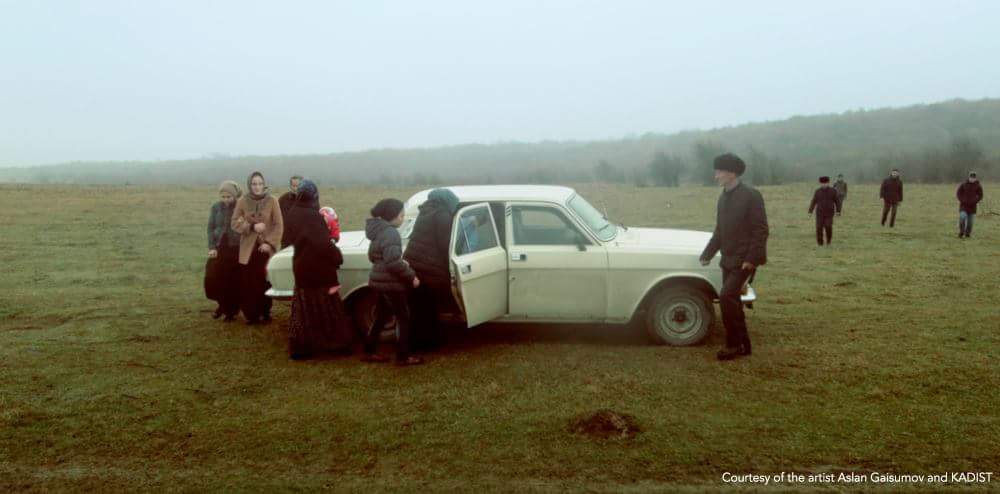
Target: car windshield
598, 224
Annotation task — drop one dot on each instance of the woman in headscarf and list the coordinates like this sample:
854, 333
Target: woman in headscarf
427, 253
222, 271
257, 218
319, 322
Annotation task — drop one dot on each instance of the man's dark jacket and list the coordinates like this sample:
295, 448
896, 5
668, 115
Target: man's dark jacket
740, 229
389, 273
892, 190
969, 194
316, 258
826, 201
427, 249
286, 202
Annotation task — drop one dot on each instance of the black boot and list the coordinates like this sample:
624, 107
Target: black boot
729, 353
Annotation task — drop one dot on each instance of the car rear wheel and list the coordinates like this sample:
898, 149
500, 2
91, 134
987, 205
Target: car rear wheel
679, 316
363, 314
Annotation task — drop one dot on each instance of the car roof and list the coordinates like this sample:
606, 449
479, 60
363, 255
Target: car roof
489, 193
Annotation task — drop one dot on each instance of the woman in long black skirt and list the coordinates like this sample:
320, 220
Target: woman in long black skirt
319, 322
222, 271
257, 218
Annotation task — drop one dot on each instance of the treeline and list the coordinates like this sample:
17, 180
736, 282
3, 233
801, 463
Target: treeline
928, 143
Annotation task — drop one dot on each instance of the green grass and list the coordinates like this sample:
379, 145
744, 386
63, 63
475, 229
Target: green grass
878, 353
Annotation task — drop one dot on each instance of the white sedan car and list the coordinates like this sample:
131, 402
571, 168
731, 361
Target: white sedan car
544, 254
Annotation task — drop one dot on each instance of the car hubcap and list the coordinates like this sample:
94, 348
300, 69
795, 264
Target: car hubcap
680, 318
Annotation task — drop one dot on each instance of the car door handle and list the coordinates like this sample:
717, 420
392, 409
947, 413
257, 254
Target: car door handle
467, 269
518, 257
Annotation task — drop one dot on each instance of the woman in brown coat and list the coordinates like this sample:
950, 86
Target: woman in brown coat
257, 218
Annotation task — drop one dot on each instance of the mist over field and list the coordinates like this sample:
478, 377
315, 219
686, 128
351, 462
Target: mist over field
929, 143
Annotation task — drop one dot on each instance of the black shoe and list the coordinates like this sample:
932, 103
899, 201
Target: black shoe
729, 353
217, 314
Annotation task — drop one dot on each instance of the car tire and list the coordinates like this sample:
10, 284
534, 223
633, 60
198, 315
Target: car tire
679, 316
363, 316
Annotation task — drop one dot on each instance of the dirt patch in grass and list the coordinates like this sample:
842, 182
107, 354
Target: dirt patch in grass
606, 424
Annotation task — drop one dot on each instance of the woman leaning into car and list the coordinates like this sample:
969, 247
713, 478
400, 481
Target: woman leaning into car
257, 218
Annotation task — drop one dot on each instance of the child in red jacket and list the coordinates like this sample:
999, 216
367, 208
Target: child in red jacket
332, 222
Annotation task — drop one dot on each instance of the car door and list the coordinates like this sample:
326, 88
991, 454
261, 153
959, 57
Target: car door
557, 271
478, 264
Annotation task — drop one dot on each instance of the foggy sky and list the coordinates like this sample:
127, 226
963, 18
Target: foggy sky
122, 80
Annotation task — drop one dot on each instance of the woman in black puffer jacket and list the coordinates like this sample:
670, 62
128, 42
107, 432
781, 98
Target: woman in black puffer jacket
427, 253
391, 278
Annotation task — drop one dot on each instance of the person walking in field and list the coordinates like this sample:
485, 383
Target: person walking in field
286, 201
222, 271
391, 277
969, 194
826, 202
841, 187
319, 323
258, 220
891, 194
427, 253
741, 235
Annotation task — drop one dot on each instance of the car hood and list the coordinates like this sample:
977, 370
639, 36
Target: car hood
665, 238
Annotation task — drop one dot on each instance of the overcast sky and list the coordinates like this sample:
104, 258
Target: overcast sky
123, 80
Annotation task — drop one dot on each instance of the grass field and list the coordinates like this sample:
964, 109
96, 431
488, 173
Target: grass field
880, 353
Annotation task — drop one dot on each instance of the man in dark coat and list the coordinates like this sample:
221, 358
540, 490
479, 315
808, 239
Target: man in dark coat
427, 253
741, 235
825, 202
841, 187
891, 194
969, 194
286, 201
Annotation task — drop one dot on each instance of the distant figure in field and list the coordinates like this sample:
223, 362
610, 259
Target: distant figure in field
891, 194
391, 277
741, 235
841, 187
332, 222
286, 201
969, 194
319, 323
826, 202
222, 271
427, 253
258, 220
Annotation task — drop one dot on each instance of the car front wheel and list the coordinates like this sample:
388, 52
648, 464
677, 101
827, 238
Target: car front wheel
679, 316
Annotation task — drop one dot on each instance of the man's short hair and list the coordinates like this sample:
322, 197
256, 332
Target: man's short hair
294, 177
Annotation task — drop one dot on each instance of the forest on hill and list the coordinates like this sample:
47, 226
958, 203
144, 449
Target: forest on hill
930, 143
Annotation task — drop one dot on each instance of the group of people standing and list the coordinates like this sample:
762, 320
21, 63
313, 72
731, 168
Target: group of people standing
246, 229
828, 201
412, 287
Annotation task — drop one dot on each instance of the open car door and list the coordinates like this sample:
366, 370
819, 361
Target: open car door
478, 264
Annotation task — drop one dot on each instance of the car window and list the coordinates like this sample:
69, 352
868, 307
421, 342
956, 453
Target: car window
541, 225
475, 231
593, 218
